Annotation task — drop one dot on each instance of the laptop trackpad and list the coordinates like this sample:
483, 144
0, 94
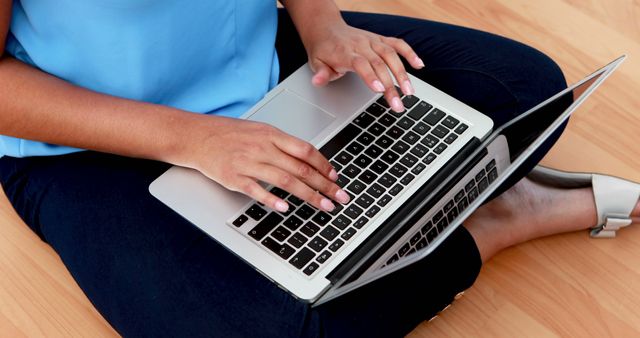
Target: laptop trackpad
293, 115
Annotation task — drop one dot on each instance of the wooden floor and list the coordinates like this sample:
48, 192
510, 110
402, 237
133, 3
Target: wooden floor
566, 285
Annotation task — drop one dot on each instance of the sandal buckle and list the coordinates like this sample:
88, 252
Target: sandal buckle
610, 226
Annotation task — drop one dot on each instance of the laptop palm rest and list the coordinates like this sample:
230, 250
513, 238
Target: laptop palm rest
293, 115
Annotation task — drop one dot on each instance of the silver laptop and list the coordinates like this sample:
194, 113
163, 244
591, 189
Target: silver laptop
413, 177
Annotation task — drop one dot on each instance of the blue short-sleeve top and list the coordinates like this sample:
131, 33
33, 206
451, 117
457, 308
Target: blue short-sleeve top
204, 56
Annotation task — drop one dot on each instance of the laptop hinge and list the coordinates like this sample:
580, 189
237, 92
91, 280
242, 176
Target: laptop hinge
398, 217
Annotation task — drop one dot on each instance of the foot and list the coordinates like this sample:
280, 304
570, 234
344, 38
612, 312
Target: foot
530, 210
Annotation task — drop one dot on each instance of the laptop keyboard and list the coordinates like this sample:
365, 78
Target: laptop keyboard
442, 218
376, 156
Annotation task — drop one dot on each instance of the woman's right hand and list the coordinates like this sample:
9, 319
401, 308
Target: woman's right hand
239, 153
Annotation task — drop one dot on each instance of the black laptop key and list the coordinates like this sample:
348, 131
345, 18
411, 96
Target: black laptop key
415, 238
384, 200
387, 180
301, 259
411, 137
404, 249
483, 185
421, 243
337, 209
469, 185
294, 200
355, 148
383, 102
364, 120
490, 165
293, 222
459, 196
373, 151
410, 101
449, 206
337, 166
279, 192
421, 128
418, 168
371, 212
420, 110
396, 189
493, 175
480, 175
311, 268
366, 138
305, 212
321, 218
360, 222
400, 147
317, 244
368, 177
240, 220
351, 171
379, 167
356, 187
342, 181
438, 216
362, 161
329, 233
376, 129
442, 224
463, 204
364, 201
297, 240
353, 211
283, 250
348, 234
451, 216
439, 131
323, 257
406, 123
409, 160
398, 170
473, 194
461, 128
395, 132
344, 158
255, 212
341, 139
376, 190
450, 138
390, 157
265, 226
432, 234
440, 148
430, 141
407, 179
425, 229
450, 122
419, 150
310, 229
341, 222
376, 109
337, 244
281, 233
387, 120
434, 117
384, 142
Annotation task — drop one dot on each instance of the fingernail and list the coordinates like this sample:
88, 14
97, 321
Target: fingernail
342, 197
397, 105
419, 62
407, 88
327, 205
377, 86
333, 174
282, 206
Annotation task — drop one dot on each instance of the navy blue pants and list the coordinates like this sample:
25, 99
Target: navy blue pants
151, 273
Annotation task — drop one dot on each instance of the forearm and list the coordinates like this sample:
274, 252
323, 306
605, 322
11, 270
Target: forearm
41, 107
308, 15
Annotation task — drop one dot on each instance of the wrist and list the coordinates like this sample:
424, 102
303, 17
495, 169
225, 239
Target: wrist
313, 18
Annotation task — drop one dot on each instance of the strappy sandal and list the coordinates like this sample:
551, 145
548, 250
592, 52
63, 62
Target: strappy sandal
615, 197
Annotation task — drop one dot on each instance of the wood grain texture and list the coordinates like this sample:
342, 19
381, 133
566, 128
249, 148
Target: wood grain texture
568, 285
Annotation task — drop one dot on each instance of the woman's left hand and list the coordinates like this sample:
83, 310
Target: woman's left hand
338, 48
